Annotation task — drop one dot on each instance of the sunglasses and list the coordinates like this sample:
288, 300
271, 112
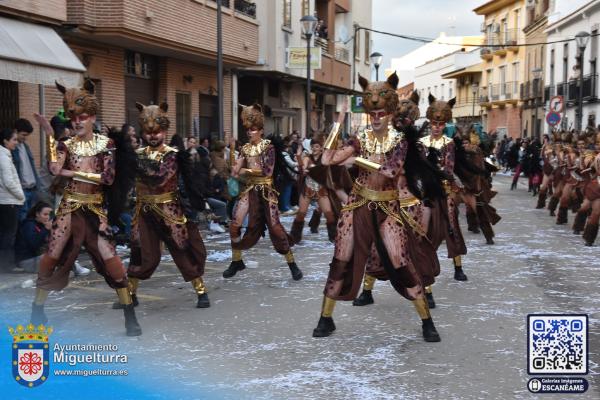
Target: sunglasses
378, 114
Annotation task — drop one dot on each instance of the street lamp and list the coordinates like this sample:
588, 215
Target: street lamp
537, 75
309, 23
376, 60
474, 88
582, 39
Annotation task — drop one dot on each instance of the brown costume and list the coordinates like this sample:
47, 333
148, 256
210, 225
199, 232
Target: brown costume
381, 212
81, 218
258, 200
159, 214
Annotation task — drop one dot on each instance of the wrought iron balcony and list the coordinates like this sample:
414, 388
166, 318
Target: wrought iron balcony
245, 7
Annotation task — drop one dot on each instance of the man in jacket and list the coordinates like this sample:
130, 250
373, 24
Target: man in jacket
25, 165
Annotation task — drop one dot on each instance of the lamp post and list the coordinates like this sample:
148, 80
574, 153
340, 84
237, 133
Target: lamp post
309, 24
220, 67
537, 75
376, 60
474, 88
582, 39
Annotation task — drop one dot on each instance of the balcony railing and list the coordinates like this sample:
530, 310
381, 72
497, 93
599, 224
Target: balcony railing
245, 7
502, 39
531, 89
502, 91
323, 44
570, 90
342, 54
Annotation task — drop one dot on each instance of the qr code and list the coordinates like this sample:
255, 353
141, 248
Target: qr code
557, 344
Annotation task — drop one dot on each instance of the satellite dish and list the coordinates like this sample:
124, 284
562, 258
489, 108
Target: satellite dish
343, 34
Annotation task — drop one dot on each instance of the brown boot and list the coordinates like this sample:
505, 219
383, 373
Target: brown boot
541, 200
314, 222
579, 222
296, 232
590, 233
562, 217
552, 204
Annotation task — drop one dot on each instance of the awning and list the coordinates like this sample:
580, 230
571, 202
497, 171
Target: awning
473, 69
36, 54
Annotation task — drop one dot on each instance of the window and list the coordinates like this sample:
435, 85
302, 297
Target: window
442, 89
450, 91
367, 46
517, 22
183, 111
515, 66
305, 7
287, 13
140, 65
502, 71
505, 31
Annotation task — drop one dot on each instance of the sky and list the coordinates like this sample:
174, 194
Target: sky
425, 18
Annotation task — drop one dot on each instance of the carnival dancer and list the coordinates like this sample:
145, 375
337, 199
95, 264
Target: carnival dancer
258, 200
88, 160
591, 202
379, 213
437, 219
570, 195
159, 214
319, 183
562, 145
585, 177
546, 154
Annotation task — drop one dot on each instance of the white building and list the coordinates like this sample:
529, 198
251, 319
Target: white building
428, 77
562, 57
405, 66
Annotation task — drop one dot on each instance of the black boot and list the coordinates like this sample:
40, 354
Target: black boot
296, 273
365, 298
541, 201
552, 204
472, 222
324, 328
38, 316
131, 323
203, 301
579, 222
459, 275
430, 334
296, 232
332, 231
233, 269
314, 222
513, 186
118, 306
562, 217
430, 300
590, 233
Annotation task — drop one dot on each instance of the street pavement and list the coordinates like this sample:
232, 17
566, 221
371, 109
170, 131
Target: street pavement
255, 340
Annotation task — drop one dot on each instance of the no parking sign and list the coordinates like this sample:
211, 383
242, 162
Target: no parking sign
553, 118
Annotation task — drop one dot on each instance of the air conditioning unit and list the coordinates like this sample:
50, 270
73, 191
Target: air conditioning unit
530, 4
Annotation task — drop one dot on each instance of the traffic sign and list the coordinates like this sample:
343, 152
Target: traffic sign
557, 104
553, 118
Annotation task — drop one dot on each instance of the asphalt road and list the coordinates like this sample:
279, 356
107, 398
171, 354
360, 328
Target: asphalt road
255, 341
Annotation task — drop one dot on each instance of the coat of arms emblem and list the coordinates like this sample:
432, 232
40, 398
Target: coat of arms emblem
30, 354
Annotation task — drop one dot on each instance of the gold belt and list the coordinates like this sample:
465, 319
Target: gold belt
150, 202
264, 184
374, 195
259, 180
73, 201
375, 199
157, 198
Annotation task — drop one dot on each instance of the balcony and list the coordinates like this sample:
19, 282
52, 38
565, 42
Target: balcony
486, 53
342, 54
503, 93
549, 92
531, 90
502, 42
484, 97
246, 7
590, 86
323, 44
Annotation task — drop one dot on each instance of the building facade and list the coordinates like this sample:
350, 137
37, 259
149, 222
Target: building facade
467, 79
503, 65
560, 76
532, 89
432, 78
148, 52
275, 83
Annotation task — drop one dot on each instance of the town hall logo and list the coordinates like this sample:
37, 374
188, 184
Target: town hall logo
30, 354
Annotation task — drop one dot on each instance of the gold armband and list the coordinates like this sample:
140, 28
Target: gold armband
366, 164
87, 177
231, 157
331, 142
252, 172
51, 152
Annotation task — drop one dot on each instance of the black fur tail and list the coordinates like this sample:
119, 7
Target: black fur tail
424, 179
463, 165
195, 178
280, 165
116, 195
